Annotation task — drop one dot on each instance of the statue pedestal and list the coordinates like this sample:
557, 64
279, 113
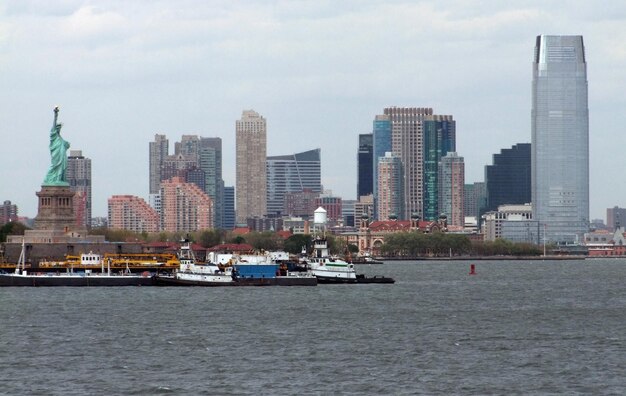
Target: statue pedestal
56, 220
56, 209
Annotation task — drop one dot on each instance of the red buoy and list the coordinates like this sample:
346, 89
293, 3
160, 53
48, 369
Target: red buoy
472, 269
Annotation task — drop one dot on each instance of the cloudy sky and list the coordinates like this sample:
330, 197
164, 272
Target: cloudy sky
318, 71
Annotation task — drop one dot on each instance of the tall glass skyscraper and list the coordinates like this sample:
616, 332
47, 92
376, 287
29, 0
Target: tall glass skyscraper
560, 138
365, 160
210, 161
381, 145
228, 203
439, 140
291, 173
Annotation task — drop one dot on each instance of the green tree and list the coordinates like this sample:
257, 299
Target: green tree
337, 245
238, 240
208, 238
267, 240
414, 244
12, 228
294, 243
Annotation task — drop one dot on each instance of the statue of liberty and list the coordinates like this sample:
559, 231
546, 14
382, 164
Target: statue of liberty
58, 156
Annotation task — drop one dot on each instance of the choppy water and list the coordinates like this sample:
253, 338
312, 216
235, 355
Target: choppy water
515, 328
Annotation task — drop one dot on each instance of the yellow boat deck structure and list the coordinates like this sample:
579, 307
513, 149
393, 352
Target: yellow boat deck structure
115, 261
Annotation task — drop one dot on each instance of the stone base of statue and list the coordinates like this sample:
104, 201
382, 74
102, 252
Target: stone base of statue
56, 220
56, 209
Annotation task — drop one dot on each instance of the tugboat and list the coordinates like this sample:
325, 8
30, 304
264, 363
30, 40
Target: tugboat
191, 273
331, 269
327, 268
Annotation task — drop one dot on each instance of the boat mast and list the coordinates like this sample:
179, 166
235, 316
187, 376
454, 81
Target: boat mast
22, 259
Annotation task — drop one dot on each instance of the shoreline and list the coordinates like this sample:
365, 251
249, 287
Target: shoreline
488, 258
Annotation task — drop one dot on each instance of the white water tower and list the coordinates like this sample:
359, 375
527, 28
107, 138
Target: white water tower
319, 219
319, 216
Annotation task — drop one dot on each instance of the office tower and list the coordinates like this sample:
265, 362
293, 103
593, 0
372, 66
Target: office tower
159, 149
508, 179
347, 210
615, 218
364, 207
451, 183
560, 138
251, 187
511, 222
301, 203
210, 161
407, 137
390, 188
176, 165
127, 212
196, 176
439, 139
475, 199
184, 206
78, 175
189, 146
289, 174
228, 212
381, 145
365, 157
8, 212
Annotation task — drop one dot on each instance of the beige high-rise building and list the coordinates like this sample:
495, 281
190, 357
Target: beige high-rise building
251, 191
407, 142
390, 189
451, 188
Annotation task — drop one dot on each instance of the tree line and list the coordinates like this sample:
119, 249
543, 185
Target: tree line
402, 244
267, 240
438, 244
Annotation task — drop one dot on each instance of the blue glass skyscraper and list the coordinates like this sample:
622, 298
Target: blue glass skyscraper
560, 138
382, 145
439, 140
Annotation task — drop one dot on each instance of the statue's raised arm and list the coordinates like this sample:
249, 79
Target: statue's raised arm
56, 116
58, 155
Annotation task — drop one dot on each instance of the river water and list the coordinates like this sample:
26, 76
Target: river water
517, 327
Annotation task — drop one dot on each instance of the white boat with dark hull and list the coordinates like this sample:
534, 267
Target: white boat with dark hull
331, 269
191, 273
327, 268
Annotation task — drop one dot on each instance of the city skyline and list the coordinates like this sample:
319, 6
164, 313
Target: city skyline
320, 75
